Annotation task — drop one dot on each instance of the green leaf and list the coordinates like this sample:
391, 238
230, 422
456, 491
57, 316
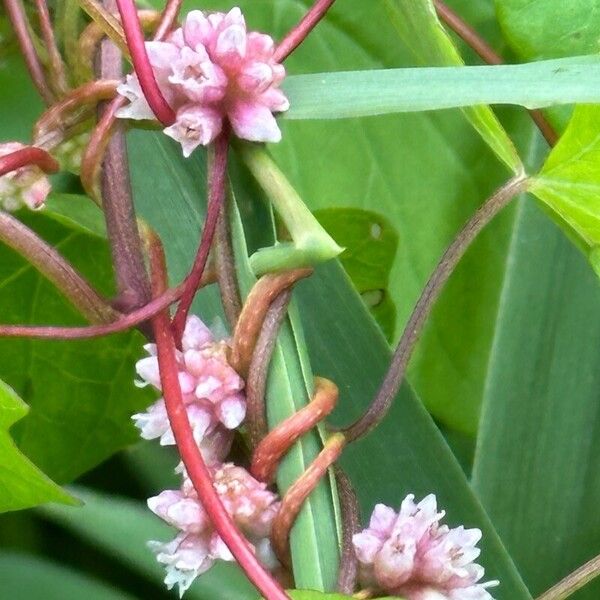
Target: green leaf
81, 393
538, 450
378, 92
25, 576
122, 527
550, 29
569, 182
370, 244
23, 484
174, 205
418, 25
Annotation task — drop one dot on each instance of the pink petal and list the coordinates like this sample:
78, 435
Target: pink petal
195, 126
254, 122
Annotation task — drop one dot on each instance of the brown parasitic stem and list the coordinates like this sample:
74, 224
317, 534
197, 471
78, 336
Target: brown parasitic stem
20, 24
124, 239
49, 129
348, 573
299, 491
257, 304
188, 449
277, 442
226, 273
490, 56
217, 180
56, 269
391, 383
300, 32
256, 382
125, 322
56, 66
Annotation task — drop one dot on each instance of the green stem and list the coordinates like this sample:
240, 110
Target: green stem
311, 244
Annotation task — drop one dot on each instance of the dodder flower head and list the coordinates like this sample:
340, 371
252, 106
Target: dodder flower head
197, 546
212, 392
209, 70
410, 554
26, 186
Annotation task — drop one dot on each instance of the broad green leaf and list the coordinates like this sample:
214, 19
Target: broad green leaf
350, 94
419, 27
538, 450
370, 244
569, 182
122, 527
32, 578
550, 29
407, 453
81, 393
23, 485
175, 205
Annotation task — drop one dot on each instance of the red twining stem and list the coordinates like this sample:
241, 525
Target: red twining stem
217, 177
300, 32
141, 63
278, 441
188, 449
24, 157
169, 16
74, 333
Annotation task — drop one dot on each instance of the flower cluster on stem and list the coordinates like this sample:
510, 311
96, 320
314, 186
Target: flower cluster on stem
215, 403
410, 554
210, 70
24, 186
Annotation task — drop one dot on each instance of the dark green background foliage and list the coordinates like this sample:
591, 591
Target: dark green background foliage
508, 362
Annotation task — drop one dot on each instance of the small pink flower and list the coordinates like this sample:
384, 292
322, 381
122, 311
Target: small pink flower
212, 390
211, 70
411, 555
198, 545
27, 185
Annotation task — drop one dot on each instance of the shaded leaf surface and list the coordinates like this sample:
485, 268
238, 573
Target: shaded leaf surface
537, 452
23, 576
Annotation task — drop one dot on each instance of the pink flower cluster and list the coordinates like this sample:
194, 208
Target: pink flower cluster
197, 546
216, 405
212, 392
211, 70
27, 186
410, 554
